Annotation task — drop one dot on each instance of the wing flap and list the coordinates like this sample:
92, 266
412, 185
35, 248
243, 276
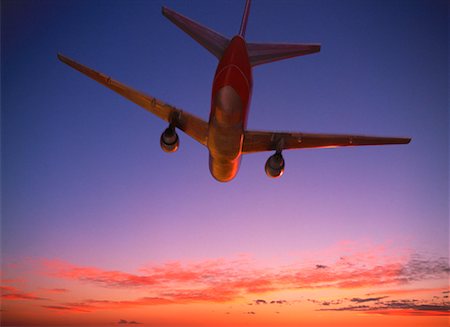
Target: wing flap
257, 141
188, 123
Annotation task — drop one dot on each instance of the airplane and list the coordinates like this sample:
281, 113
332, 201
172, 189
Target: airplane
225, 134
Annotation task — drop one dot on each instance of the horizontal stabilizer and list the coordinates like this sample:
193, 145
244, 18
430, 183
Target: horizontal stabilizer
262, 53
188, 123
258, 141
209, 39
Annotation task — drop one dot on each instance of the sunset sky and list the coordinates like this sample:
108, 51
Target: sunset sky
100, 227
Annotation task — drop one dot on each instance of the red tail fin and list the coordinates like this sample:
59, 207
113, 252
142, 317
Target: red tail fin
211, 40
245, 19
259, 53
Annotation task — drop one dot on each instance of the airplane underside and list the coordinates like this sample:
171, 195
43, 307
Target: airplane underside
225, 134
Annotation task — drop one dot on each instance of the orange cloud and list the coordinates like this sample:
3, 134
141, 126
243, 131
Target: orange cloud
96, 305
227, 280
12, 293
245, 282
55, 290
8, 289
64, 308
98, 276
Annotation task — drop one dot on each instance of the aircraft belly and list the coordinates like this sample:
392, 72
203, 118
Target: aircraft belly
226, 133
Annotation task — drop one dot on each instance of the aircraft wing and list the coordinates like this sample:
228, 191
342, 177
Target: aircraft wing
257, 141
188, 123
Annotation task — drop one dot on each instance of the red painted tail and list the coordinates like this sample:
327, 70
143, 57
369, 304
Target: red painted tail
244, 19
259, 53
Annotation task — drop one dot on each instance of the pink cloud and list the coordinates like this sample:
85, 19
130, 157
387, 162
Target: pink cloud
10, 289
221, 280
97, 305
226, 280
12, 293
55, 290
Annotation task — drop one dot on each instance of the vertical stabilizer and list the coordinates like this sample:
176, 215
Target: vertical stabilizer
245, 19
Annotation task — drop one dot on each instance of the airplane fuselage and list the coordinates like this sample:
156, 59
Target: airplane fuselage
231, 93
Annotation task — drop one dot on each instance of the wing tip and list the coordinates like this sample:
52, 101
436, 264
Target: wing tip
404, 140
63, 58
165, 10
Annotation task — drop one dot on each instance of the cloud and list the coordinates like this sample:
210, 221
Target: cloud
98, 276
261, 301
420, 268
8, 289
64, 308
411, 307
125, 322
349, 308
12, 293
327, 302
21, 296
92, 305
10, 280
220, 280
412, 304
409, 312
217, 294
55, 290
408, 291
370, 299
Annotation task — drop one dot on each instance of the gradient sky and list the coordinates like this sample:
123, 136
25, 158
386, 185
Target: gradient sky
99, 226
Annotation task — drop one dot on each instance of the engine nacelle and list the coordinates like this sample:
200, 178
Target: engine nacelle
275, 165
169, 140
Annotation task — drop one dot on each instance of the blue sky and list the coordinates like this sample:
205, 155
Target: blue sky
70, 144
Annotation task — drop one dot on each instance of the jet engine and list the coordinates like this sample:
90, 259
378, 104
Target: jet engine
275, 165
169, 140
